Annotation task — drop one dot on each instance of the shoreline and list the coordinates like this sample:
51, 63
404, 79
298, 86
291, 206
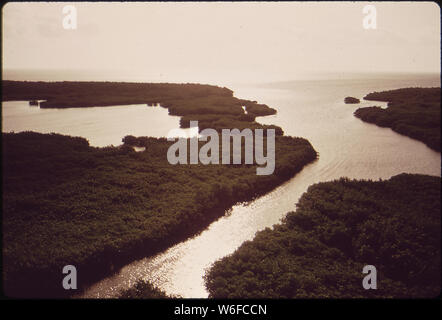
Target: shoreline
412, 112
103, 264
212, 106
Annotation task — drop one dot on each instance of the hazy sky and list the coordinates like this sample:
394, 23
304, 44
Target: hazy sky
183, 41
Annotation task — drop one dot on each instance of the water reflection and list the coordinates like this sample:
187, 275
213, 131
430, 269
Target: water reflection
102, 126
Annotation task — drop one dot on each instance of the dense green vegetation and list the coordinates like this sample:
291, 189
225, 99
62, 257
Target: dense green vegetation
216, 107
143, 290
65, 202
351, 100
414, 112
319, 251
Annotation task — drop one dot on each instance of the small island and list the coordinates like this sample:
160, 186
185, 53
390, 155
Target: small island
413, 112
351, 100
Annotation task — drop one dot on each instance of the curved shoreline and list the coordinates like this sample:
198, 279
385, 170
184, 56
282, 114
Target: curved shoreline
413, 112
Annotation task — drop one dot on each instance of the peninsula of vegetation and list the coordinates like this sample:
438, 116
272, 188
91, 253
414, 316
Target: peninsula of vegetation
320, 250
66, 203
414, 112
213, 107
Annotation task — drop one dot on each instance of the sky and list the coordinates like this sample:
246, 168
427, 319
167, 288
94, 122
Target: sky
223, 40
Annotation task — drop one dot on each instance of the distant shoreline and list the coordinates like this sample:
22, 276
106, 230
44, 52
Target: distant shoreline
101, 75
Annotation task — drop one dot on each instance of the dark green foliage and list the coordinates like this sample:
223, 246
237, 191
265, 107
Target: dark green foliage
414, 112
351, 100
65, 202
216, 107
319, 250
143, 290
